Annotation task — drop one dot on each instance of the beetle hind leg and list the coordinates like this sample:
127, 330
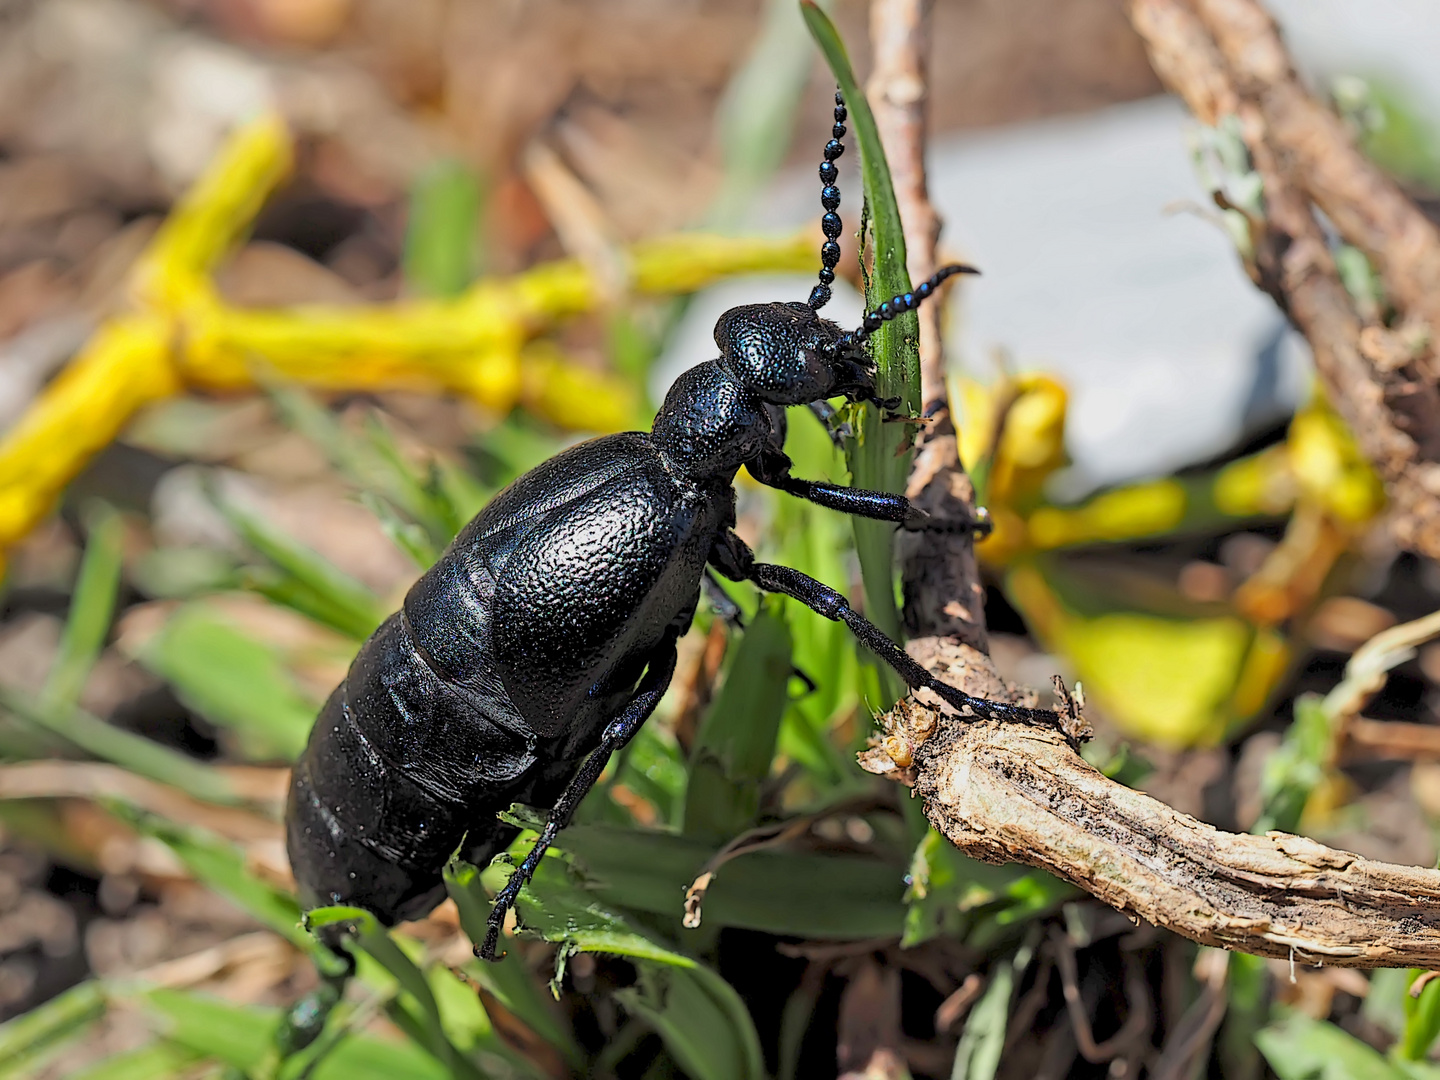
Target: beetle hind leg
617, 733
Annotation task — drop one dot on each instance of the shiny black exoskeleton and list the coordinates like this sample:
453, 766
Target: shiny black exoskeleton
545, 636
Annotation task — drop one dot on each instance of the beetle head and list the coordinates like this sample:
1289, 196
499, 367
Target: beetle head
786, 354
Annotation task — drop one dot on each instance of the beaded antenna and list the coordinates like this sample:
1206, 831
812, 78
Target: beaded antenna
832, 226
830, 199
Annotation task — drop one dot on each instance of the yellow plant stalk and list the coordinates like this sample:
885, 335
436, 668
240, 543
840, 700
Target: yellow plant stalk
209, 218
124, 366
181, 333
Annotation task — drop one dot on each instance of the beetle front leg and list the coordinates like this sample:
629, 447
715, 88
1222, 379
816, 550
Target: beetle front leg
879, 506
773, 469
617, 733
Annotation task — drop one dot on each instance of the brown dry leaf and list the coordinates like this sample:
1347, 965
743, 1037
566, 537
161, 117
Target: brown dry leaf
1344, 623
264, 274
28, 294
869, 1034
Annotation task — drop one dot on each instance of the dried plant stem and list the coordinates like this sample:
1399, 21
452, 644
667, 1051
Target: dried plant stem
1007, 793
1225, 57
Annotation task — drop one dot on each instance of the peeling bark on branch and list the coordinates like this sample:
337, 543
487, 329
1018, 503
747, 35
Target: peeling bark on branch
1010, 793
1016, 793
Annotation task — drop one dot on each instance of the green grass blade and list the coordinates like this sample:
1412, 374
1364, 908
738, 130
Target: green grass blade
508, 979
346, 604
92, 606
373, 938
977, 902
179, 573
756, 115
441, 249
241, 1036
1296, 769
736, 743
121, 747
1422, 1021
373, 462
701, 1020
876, 460
557, 906
410, 538
1299, 1048
700, 1016
159, 1059
1247, 992
59, 1018
983, 1040
978, 1055
805, 894
232, 680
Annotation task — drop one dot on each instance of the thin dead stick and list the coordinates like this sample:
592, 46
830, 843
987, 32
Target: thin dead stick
1137, 994
1392, 739
1382, 391
1366, 206
1190, 1039
953, 1009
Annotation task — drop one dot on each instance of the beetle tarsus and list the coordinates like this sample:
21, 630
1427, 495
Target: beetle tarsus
838, 430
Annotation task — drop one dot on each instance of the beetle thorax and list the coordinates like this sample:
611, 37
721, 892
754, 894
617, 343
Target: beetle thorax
711, 423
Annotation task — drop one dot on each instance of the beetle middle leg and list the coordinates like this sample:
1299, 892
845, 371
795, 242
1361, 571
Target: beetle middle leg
617, 733
733, 558
720, 602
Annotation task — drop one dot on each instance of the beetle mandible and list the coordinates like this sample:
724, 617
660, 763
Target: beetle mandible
544, 637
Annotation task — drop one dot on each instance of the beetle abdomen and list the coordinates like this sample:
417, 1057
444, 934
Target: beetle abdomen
400, 766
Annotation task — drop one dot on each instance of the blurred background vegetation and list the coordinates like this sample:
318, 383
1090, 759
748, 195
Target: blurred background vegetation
481, 250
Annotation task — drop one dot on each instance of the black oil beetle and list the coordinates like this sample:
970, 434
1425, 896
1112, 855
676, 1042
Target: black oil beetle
545, 636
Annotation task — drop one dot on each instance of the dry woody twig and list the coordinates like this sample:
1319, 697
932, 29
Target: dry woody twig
1226, 58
